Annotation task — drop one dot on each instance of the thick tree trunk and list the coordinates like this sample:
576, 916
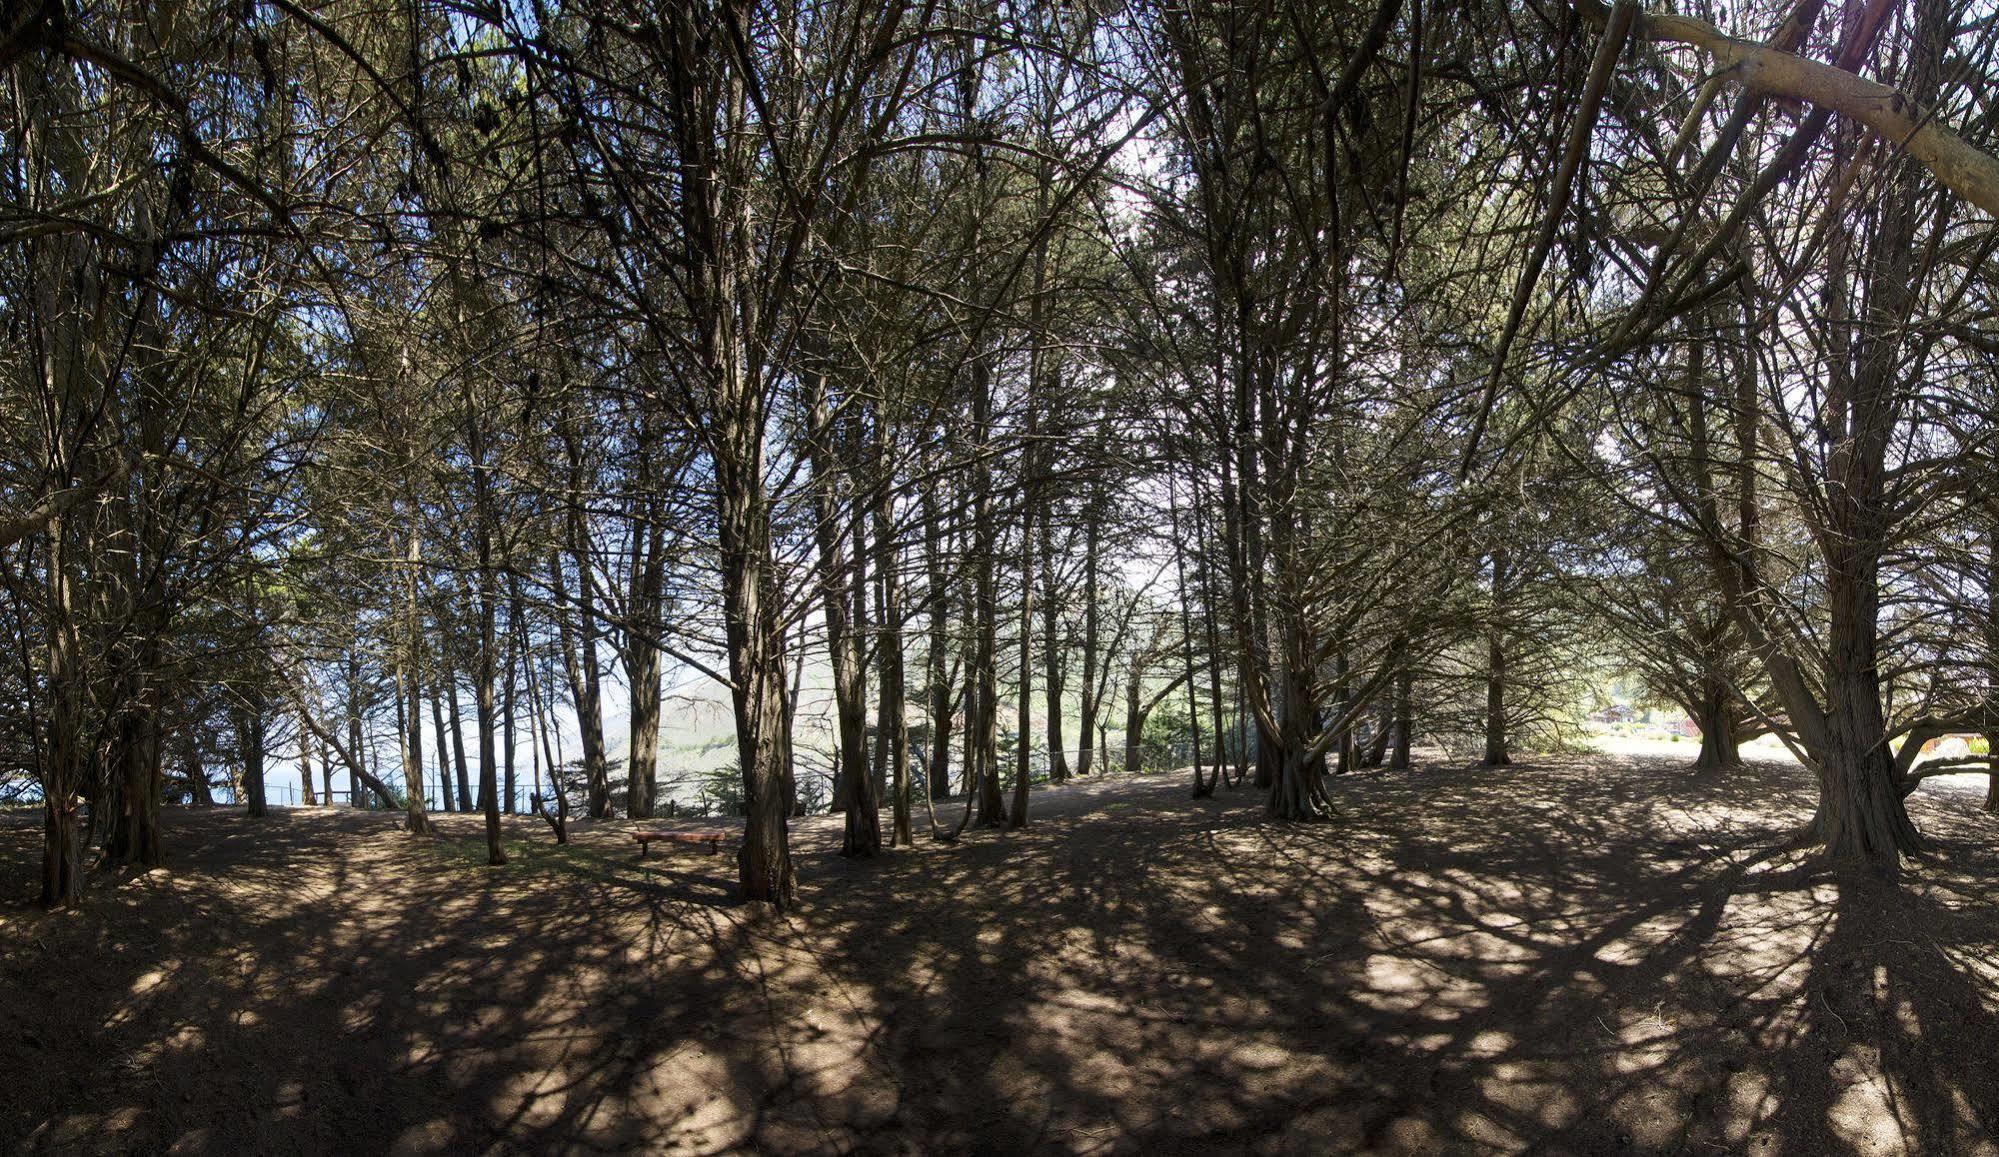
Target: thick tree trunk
756, 672
1297, 788
642, 676
62, 852
1715, 716
133, 836
1861, 815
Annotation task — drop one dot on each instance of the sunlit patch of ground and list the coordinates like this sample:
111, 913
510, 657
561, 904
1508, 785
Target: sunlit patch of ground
1592, 955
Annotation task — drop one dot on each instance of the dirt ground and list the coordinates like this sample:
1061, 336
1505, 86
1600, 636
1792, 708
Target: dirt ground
1601, 955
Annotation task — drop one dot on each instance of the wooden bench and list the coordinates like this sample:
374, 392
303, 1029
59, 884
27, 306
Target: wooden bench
647, 838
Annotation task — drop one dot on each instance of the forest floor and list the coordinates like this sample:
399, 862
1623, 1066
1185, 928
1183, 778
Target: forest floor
1592, 955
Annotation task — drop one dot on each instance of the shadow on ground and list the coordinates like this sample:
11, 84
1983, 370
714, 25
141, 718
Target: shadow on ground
1596, 956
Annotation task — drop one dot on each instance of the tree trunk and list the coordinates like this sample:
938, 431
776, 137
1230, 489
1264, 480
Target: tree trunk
1092, 627
1861, 816
1495, 668
642, 675
1405, 726
1714, 714
409, 745
937, 773
1992, 771
444, 797
584, 685
1051, 661
486, 662
134, 833
306, 796
756, 671
641, 653
197, 775
1023, 765
353, 760
508, 691
458, 762
892, 719
250, 745
409, 693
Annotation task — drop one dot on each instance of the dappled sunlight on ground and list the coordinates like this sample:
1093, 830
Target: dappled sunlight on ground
1601, 954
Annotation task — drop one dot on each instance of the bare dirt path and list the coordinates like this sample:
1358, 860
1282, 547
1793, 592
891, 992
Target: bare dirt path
1603, 955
